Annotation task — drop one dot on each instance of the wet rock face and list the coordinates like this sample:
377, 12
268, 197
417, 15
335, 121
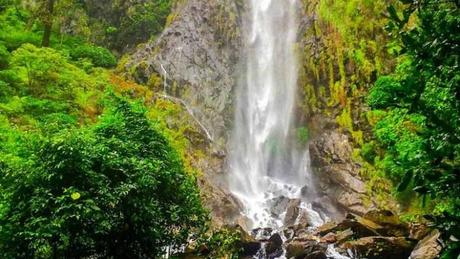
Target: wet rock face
274, 247
376, 247
337, 174
292, 212
309, 249
197, 54
224, 207
279, 205
429, 247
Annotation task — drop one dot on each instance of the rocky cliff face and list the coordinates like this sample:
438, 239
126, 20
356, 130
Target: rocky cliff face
196, 56
337, 173
194, 62
333, 84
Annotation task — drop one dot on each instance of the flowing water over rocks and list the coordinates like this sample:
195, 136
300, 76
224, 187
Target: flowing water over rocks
270, 172
266, 164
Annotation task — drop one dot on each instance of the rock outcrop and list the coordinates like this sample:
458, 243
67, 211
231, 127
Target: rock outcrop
378, 234
360, 237
429, 247
376, 247
337, 173
196, 57
306, 249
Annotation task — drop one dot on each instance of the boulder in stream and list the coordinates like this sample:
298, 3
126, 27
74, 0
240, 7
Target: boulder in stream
279, 205
293, 211
308, 249
378, 247
274, 246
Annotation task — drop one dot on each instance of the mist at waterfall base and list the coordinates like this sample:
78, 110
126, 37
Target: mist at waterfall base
266, 160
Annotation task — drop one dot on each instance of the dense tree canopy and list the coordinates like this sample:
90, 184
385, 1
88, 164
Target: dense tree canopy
420, 107
114, 189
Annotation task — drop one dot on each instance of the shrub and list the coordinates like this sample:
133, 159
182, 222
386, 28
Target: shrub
5, 90
384, 93
99, 56
4, 56
114, 190
46, 73
14, 30
368, 152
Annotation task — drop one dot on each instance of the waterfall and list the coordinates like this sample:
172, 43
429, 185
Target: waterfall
266, 160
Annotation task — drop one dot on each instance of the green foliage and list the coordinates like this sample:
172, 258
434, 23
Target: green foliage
43, 70
115, 189
385, 92
99, 56
43, 81
368, 152
352, 55
124, 24
74, 183
15, 30
303, 135
4, 56
224, 243
421, 128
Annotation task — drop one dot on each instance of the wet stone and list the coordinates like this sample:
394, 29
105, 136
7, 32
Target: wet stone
274, 244
309, 249
292, 212
262, 234
250, 248
329, 238
279, 205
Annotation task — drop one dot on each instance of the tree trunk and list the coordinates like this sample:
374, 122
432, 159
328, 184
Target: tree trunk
48, 23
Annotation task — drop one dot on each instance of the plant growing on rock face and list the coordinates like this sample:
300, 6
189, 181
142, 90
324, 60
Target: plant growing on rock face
116, 189
421, 128
303, 135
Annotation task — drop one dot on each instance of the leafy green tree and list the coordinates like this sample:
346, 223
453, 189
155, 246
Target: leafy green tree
124, 24
116, 189
46, 11
421, 129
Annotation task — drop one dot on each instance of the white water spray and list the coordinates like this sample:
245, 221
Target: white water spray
266, 160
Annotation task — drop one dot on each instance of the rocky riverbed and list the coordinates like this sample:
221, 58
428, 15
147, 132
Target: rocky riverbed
377, 234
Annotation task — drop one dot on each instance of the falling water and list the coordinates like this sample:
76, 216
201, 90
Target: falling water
266, 159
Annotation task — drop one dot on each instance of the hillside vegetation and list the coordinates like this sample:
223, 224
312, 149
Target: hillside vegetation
87, 164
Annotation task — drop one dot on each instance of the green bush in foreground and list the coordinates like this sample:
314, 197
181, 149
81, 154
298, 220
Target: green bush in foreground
116, 189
